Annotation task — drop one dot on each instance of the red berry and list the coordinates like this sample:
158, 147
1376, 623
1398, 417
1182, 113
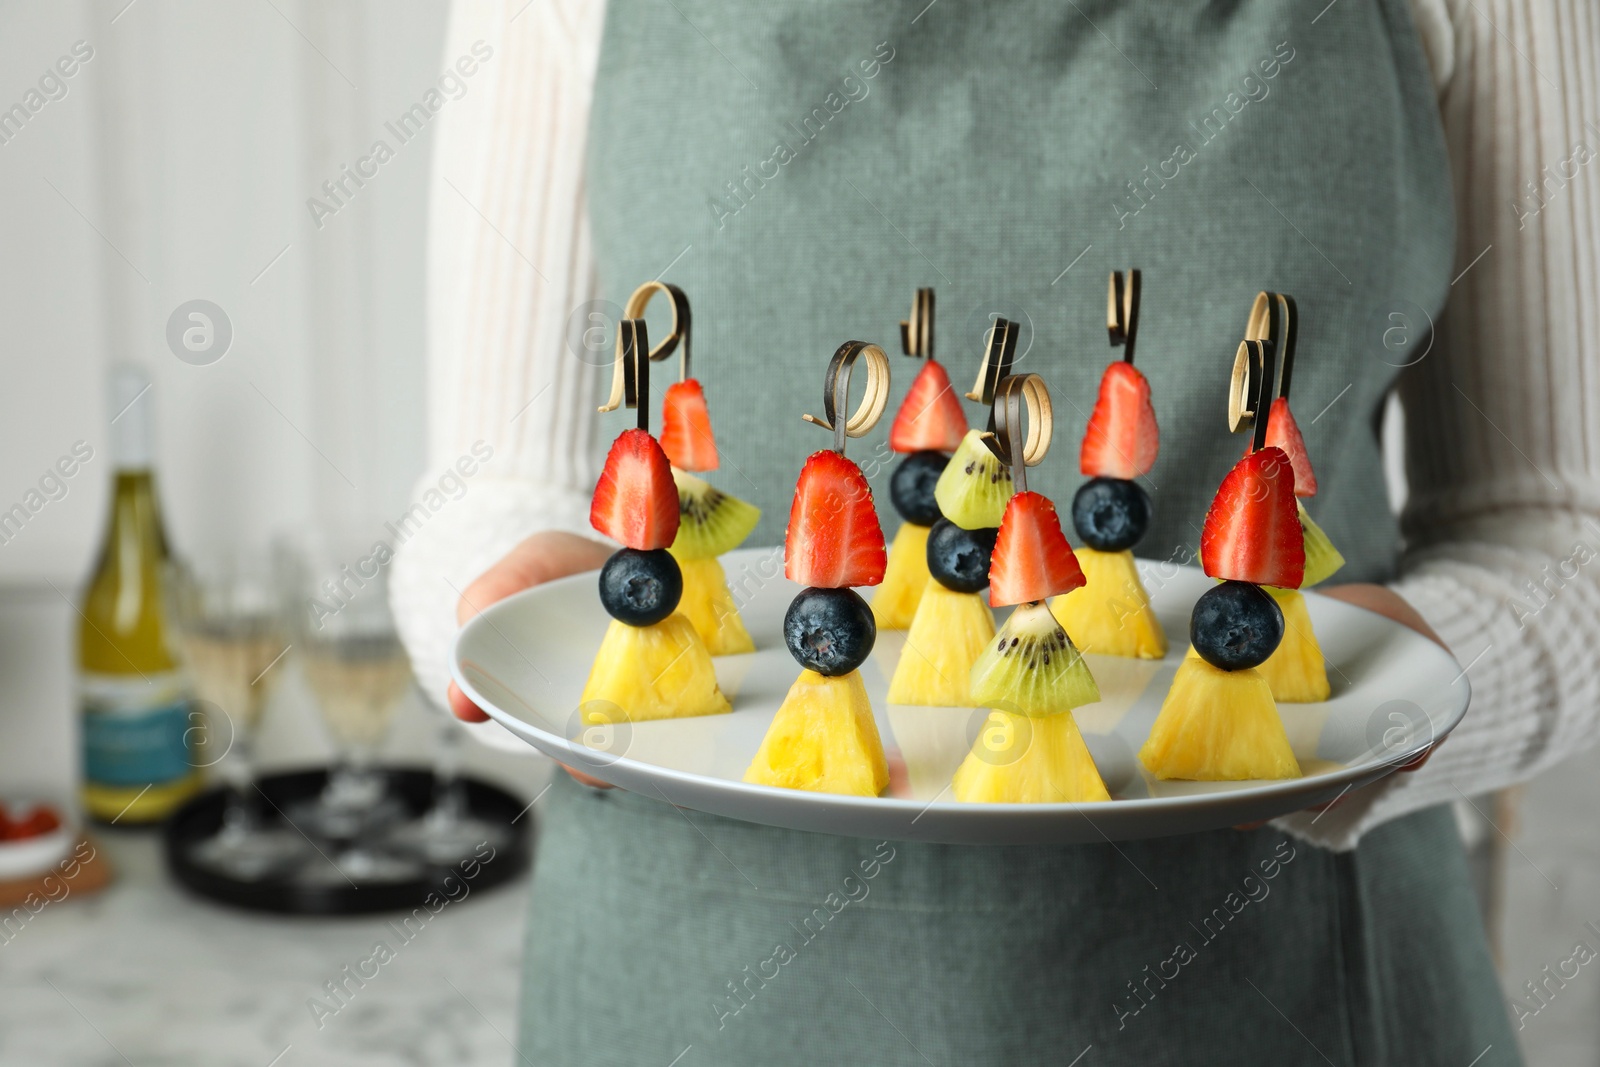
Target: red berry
930, 418
29, 822
1122, 439
636, 500
1032, 559
1252, 531
834, 539
686, 427
1283, 432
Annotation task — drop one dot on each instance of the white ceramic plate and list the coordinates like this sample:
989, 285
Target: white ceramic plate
525, 660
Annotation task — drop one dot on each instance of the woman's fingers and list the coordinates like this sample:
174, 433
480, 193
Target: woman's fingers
592, 783
538, 559
463, 708
544, 557
1382, 600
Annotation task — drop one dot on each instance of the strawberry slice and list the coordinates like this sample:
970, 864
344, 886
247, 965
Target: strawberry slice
686, 427
1283, 432
1252, 531
930, 417
1032, 559
1122, 439
29, 822
834, 539
636, 500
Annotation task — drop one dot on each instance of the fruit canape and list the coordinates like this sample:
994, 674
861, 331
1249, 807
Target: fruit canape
710, 522
1296, 672
1219, 721
953, 625
1111, 614
652, 663
928, 427
1029, 750
824, 737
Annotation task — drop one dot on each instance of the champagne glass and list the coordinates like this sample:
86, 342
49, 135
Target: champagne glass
229, 618
447, 831
358, 671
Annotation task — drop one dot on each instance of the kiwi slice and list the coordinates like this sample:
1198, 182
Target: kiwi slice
1032, 668
1322, 559
975, 486
710, 522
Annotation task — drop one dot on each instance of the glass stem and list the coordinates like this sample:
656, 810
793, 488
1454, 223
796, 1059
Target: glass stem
240, 814
449, 791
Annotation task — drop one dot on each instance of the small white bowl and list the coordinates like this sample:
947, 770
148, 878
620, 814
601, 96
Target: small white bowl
30, 857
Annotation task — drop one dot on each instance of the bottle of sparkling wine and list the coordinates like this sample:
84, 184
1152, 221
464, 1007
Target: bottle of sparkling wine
139, 727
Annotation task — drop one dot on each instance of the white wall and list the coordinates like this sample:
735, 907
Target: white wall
191, 141
177, 166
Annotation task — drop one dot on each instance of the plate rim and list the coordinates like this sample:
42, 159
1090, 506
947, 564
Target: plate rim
1305, 788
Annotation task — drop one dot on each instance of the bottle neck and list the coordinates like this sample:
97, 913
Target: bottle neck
135, 515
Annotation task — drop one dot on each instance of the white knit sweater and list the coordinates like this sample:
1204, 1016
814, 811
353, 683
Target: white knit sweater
1501, 430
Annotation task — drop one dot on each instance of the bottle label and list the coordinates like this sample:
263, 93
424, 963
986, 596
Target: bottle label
137, 731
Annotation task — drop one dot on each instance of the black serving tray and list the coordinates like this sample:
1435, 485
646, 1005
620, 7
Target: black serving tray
201, 818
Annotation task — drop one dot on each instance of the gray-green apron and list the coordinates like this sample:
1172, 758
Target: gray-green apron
800, 168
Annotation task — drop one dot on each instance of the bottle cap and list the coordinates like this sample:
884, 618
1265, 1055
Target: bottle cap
132, 416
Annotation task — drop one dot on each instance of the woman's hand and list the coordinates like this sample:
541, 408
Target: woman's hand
1383, 601
544, 557
1380, 600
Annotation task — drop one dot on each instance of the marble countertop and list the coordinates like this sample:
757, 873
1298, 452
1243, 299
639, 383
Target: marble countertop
145, 973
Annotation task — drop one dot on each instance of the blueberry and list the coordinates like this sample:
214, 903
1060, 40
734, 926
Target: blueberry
959, 558
1236, 625
640, 588
911, 487
830, 631
1111, 514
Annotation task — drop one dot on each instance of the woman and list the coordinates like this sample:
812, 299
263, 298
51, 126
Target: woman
799, 169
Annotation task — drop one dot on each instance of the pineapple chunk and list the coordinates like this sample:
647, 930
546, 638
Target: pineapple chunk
651, 672
823, 739
1218, 726
1296, 671
1021, 759
894, 604
709, 605
946, 638
1111, 614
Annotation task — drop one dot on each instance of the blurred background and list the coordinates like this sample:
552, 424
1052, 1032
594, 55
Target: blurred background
175, 165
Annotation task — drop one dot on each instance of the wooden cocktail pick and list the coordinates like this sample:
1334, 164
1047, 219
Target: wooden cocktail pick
1122, 311
836, 392
682, 322
630, 375
916, 334
1000, 352
1005, 437
1250, 392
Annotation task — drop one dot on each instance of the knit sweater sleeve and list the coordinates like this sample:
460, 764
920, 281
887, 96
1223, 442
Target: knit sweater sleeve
1502, 417
510, 277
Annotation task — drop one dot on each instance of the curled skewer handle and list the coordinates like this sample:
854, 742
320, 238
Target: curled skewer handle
1274, 317
836, 392
1263, 395
1122, 311
1250, 391
1242, 387
682, 321
1015, 394
916, 333
630, 375
1000, 352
